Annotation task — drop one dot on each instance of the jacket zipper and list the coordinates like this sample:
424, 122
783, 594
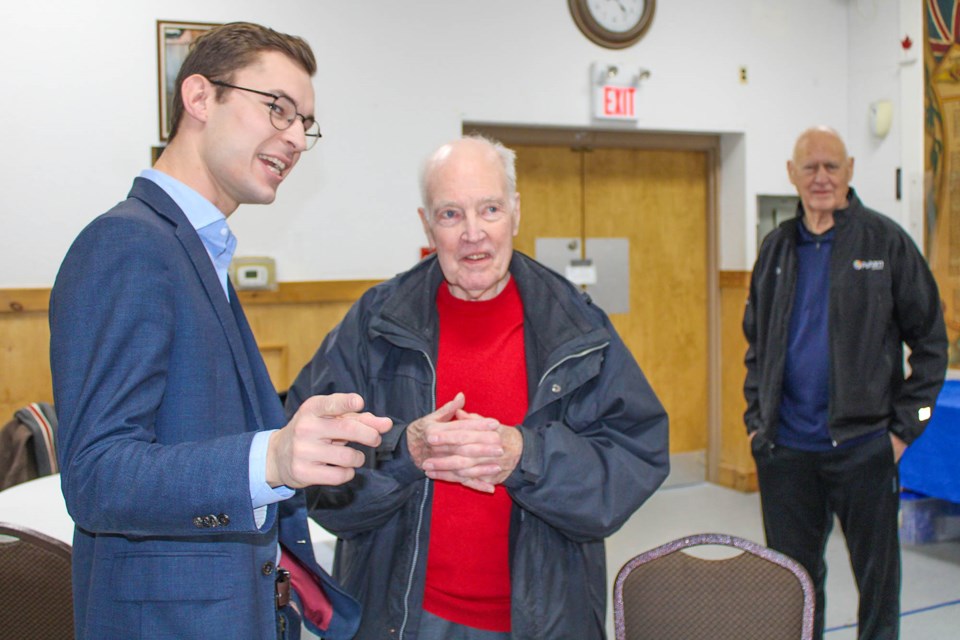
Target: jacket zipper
571, 357
423, 504
543, 378
426, 485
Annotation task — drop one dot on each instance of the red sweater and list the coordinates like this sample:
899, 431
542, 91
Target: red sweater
480, 353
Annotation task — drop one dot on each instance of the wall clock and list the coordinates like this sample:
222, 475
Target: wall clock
615, 24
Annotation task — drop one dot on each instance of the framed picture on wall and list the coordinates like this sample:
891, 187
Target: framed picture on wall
173, 42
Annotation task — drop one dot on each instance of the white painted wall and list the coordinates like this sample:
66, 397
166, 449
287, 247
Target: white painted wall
879, 69
78, 108
911, 120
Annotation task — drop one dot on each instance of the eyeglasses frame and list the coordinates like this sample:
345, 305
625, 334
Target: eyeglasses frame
296, 114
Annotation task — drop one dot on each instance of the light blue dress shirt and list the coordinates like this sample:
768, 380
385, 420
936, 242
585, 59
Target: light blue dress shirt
220, 243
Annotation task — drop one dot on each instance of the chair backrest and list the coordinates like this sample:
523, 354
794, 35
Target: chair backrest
36, 596
668, 594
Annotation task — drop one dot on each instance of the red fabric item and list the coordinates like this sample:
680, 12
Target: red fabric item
316, 606
481, 353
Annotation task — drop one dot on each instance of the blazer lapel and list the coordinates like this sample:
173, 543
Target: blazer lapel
159, 201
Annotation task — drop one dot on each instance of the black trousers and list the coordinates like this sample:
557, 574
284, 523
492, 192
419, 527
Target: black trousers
800, 491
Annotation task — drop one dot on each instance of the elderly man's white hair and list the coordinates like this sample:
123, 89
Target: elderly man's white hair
822, 128
507, 157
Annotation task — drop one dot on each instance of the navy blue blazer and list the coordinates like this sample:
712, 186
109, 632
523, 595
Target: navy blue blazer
159, 389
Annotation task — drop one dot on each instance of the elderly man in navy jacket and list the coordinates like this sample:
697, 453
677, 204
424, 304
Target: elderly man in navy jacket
525, 433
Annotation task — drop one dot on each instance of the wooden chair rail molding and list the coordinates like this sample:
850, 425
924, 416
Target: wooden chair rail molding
319, 291
20, 300
38, 299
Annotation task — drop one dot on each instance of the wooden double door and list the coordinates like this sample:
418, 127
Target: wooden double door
658, 201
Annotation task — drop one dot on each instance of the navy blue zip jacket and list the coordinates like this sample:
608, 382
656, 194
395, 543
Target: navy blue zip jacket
594, 449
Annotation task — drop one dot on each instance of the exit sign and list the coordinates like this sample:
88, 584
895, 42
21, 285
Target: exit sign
615, 102
614, 90
619, 102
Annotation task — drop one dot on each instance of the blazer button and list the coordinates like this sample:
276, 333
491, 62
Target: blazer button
555, 388
267, 568
210, 521
223, 519
198, 522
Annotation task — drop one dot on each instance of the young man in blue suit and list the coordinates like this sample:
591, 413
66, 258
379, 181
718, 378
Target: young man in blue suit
178, 465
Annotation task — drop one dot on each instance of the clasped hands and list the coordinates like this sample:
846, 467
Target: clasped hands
457, 446
310, 449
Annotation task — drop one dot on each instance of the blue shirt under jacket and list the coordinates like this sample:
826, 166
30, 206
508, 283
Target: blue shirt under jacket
806, 375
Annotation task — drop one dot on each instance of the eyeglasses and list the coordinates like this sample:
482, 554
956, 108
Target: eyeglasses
283, 113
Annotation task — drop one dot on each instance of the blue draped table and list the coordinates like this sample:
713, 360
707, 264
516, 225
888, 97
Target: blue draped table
931, 465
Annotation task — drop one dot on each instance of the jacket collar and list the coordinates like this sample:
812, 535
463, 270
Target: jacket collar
556, 320
410, 313
840, 216
854, 206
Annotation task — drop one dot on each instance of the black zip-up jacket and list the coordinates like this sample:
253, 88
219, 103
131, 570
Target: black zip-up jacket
882, 295
594, 449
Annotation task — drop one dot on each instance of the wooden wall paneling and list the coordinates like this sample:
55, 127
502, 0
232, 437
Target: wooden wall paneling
25, 358
737, 469
276, 357
289, 334
291, 322
289, 325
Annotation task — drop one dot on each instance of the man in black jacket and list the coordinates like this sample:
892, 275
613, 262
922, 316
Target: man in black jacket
835, 293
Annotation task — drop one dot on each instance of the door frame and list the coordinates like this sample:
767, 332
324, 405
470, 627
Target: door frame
580, 137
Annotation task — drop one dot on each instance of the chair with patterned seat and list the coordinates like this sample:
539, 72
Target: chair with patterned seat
756, 593
36, 596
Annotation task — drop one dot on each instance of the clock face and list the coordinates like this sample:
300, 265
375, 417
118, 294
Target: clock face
614, 24
618, 16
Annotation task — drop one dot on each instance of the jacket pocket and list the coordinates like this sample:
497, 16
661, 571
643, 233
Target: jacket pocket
761, 447
165, 577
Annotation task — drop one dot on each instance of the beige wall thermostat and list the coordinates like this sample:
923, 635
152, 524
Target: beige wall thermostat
253, 273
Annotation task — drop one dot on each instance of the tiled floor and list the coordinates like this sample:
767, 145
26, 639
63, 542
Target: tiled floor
930, 599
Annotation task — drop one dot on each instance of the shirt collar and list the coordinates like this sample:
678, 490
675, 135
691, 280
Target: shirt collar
209, 222
199, 211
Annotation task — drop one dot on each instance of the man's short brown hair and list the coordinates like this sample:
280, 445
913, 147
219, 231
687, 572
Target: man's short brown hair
223, 50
